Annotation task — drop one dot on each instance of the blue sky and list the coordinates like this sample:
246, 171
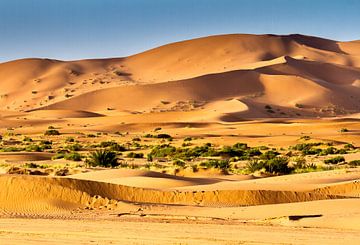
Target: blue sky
78, 29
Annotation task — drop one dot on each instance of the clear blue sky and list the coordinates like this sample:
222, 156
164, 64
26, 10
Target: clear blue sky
77, 29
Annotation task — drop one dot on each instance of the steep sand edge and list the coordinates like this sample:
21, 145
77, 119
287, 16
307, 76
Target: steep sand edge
39, 194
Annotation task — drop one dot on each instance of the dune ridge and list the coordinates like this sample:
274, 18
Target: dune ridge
46, 194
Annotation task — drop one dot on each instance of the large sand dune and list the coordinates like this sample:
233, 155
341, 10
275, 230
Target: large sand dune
302, 75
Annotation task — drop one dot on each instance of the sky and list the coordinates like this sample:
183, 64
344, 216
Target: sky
79, 29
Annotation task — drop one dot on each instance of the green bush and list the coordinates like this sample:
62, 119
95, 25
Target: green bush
52, 132
74, 147
33, 148
73, 156
354, 163
135, 155
103, 158
254, 165
278, 165
214, 163
335, 160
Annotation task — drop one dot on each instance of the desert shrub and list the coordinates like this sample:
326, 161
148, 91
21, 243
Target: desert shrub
305, 137
304, 146
91, 135
215, 163
349, 147
31, 165
74, 147
328, 151
73, 156
135, 155
70, 140
163, 136
163, 151
254, 165
11, 149
335, 160
228, 151
269, 155
354, 163
344, 130
27, 139
33, 148
116, 147
188, 139
179, 162
52, 132
136, 139
278, 165
299, 163
103, 158
58, 155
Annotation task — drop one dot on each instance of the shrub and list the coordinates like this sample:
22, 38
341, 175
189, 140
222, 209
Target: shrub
58, 155
179, 163
74, 147
135, 155
269, 155
103, 158
344, 130
278, 165
27, 139
354, 163
349, 147
73, 156
33, 148
254, 165
335, 160
163, 136
214, 163
69, 140
162, 151
52, 132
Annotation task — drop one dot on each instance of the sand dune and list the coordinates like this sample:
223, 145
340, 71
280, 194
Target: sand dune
45, 194
252, 68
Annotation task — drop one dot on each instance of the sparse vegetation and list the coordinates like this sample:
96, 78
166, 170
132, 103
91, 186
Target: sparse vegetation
52, 132
103, 158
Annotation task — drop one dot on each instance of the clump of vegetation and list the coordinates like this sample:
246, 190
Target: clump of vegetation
73, 156
354, 163
74, 147
70, 140
33, 148
135, 155
113, 146
344, 130
276, 165
103, 158
215, 163
335, 160
52, 132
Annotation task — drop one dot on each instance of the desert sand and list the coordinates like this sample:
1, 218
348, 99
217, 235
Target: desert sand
262, 90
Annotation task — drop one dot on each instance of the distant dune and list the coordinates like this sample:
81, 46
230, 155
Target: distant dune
270, 76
